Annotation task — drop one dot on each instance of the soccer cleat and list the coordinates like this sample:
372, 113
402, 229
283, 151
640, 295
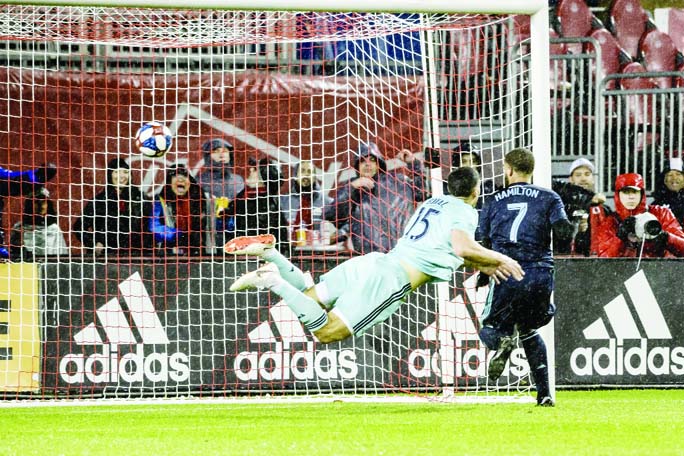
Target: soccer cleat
500, 358
264, 277
250, 245
546, 401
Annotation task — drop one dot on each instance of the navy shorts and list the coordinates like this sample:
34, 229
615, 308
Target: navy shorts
525, 304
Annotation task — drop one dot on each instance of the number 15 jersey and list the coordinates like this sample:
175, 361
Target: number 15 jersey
426, 241
518, 220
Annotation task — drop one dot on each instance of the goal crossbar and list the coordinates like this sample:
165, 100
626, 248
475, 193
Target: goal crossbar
408, 6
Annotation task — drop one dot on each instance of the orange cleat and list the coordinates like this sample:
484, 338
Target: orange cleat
250, 245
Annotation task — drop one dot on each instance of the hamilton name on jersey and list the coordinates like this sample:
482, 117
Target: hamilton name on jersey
517, 190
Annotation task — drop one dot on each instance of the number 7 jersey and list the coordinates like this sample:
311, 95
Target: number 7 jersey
518, 221
426, 242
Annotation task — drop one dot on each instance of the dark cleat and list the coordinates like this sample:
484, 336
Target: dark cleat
546, 401
500, 358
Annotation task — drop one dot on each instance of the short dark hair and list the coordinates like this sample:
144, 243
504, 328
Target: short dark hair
456, 157
521, 160
462, 181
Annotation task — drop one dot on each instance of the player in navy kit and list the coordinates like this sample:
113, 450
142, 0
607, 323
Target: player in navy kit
366, 290
518, 221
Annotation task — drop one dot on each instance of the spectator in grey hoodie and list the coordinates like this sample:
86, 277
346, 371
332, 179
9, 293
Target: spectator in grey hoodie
373, 207
218, 179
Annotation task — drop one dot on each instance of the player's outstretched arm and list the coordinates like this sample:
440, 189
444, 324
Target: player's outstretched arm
488, 261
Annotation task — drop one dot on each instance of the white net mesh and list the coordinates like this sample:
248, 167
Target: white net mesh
137, 303
149, 27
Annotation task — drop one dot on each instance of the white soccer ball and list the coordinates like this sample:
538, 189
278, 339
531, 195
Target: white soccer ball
153, 139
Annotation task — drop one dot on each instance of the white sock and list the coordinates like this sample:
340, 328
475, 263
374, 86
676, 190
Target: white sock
288, 271
307, 310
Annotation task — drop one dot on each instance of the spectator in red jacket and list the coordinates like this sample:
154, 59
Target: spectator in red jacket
622, 233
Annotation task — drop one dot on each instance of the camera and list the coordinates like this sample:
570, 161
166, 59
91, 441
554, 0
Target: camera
579, 214
647, 226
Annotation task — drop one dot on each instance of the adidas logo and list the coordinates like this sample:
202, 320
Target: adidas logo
456, 333
107, 366
288, 325
619, 358
283, 363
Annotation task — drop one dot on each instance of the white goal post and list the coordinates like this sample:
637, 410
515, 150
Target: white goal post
281, 82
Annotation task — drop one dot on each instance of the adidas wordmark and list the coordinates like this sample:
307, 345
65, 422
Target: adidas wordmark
283, 363
109, 366
619, 357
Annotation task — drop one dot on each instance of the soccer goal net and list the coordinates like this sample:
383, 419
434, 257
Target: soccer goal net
323, 128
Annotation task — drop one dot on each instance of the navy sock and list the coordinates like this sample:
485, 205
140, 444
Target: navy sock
490, 337
535, 350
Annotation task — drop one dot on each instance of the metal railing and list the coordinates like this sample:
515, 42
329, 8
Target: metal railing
574, 95
642, 129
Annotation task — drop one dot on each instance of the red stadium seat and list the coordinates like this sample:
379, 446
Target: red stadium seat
639, 107
574, 19
675, 28
636, 83
679, 80
658, 53
559, 80
472, 61
469, 52
628, 21
521, 27
613, 57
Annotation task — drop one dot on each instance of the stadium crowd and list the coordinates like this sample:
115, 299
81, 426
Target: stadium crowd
367, 213
195, 212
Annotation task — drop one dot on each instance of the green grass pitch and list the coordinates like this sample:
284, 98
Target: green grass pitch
627, 422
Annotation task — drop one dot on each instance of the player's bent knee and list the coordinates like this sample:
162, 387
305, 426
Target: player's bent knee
327, 337
334, 331
490, 337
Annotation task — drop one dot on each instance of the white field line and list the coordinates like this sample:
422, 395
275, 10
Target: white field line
264, 400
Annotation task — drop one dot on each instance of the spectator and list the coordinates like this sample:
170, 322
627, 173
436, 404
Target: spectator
374, 207
114, 221
466, 155
578, 196
622, 233
257, 207
37, 234
179, 216
669, 192
18, 183
218, 180
305, 195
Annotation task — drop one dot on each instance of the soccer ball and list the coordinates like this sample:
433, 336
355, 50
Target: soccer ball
153, 139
